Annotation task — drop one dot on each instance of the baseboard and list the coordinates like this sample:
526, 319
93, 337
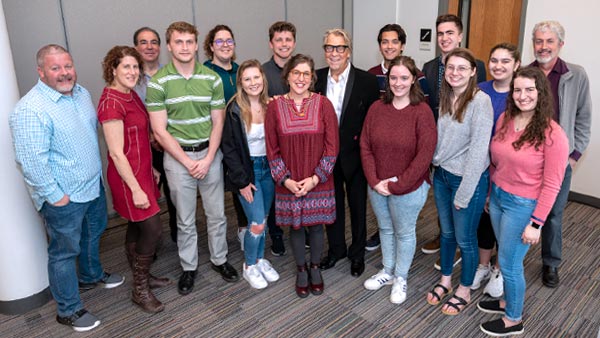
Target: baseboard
20, 306
584, 199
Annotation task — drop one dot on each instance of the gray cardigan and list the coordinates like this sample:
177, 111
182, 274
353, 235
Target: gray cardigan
463, 148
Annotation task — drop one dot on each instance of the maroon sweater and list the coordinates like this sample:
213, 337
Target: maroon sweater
398, 143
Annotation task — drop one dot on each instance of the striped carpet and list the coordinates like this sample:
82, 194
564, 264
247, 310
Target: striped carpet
346, 309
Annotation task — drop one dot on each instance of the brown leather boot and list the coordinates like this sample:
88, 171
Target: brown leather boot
154, 282
141, 294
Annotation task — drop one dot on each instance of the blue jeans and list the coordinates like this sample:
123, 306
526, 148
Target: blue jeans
510, 215
458, 227
74, 231
397, 219
258, 210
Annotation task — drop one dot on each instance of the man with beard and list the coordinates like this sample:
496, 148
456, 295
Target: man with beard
54, 130
573, 111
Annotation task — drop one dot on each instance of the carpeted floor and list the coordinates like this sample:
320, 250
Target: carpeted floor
219, 309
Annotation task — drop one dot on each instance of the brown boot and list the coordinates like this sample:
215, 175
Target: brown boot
154, 282
141, 294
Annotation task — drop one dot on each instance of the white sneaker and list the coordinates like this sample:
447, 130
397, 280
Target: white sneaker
254, 277
482, 274
265, 268
398, 295
241, 234
495, 287
377, 281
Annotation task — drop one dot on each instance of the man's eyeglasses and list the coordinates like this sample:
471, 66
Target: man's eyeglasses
297, 74
331, 48
221, 42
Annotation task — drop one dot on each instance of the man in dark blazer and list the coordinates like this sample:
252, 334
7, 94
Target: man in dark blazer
351, 91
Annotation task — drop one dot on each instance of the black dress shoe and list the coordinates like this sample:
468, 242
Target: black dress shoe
186, 282
357, 268
329, 262
550, 276
227, 272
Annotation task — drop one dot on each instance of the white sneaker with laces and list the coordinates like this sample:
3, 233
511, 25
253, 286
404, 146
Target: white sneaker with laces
482, 274
241, 234
378, 280
398, 295
254, 277
495, 287
266, 269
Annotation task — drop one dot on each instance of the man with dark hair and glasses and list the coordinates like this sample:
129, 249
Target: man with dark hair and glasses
352, 91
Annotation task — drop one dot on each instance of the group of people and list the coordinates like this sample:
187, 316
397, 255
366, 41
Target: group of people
293, 144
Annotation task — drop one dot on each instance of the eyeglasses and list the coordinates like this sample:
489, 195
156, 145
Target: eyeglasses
297, 74
221, 42
331, 48
460, 69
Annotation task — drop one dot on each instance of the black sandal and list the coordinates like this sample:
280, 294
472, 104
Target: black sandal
438, 296
461, 302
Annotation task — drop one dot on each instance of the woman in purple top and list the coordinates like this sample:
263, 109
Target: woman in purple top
504, 61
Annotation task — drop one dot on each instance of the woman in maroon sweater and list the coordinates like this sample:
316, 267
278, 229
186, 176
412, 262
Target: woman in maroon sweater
397, 144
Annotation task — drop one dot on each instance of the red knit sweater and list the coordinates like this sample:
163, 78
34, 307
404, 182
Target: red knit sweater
398, 143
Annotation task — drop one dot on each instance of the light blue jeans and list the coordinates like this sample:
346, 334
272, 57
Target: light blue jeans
397, 219
74, 231
258, 210
459, 227
510, 215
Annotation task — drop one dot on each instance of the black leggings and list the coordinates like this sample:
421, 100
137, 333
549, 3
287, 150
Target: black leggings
485, 233
145, 234
316, 237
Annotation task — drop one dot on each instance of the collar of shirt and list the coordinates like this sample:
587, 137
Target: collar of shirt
383, 69
336, 90
53, 94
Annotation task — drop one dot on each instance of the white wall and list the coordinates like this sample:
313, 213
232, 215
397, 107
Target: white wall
578, 19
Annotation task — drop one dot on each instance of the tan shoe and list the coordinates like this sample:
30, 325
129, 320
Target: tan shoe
457, 259
432, 246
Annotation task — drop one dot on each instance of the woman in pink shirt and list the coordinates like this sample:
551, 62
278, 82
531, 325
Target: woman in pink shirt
529, 155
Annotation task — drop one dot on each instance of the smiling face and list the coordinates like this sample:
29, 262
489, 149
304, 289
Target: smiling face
58, 72
299, 79
126, 74
283, 45
401, 81
148, 46
183, 47
252, 82
337, 61
525, 94
390, 46
225, 52
502, 65
458, 73
546, 45
448, 37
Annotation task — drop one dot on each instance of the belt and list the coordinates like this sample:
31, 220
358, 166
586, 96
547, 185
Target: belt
196, 148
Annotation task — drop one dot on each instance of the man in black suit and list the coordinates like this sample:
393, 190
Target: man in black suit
351, 91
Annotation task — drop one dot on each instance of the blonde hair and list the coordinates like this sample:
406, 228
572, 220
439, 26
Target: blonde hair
241, 98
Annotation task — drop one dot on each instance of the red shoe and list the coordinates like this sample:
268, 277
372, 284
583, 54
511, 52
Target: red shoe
301, 291
316, 289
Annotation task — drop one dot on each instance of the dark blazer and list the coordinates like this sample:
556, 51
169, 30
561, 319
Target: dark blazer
431, 71
237, 165
362, 89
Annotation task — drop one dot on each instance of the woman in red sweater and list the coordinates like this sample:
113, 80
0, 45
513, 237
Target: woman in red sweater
529, 155
397, 144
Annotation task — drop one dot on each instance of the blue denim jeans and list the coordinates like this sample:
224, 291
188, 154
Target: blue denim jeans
397, 219
74, 231
258, 210
510, 215
458, 227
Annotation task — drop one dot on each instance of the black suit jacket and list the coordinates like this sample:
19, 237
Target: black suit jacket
362, 89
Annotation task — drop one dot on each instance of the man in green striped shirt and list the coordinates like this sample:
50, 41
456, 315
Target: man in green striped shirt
186, 104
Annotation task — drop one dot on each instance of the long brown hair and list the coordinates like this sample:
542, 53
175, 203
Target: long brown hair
241, 98
457, 111
535, 132
416, 94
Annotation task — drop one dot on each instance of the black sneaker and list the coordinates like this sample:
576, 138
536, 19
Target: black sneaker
373, 243
491, 306
108, 281
80, 321
277, 248
496, 328
186, 282
227, 272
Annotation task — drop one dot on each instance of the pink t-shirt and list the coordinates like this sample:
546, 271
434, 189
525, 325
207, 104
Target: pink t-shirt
530, 173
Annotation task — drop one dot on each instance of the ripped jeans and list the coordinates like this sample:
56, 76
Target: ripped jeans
258, 210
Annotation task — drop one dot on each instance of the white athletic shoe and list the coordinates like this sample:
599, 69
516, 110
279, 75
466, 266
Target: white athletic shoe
483, 273
377, 281
398, 295
266, 269
495, 287
254, 277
